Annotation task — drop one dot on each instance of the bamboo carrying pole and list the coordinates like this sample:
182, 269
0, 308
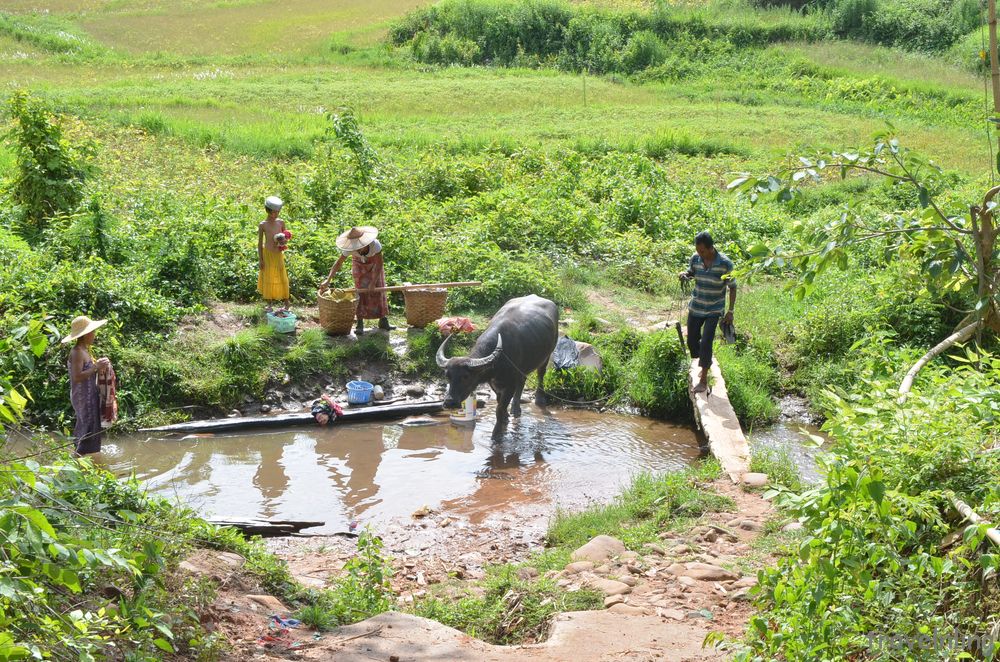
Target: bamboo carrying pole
404, 288
994, 63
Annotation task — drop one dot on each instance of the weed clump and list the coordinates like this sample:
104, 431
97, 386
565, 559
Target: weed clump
511, 610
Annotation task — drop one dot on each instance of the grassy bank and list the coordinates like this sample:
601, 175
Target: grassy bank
646, 508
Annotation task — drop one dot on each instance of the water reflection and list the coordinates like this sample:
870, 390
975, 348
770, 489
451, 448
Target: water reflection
375, 472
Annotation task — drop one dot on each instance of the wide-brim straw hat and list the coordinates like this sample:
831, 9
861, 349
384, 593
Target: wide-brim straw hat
356, 238
81, 326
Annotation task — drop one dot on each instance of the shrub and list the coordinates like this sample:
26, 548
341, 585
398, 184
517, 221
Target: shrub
52, 166
643, 50
874, 527
657, 377
488, 616
547, 32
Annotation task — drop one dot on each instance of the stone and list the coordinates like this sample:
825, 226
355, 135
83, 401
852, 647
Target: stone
744, 582
264, 409
792, 526
681, 549
527, 573
235, 413
701, 613
677, 568
310, 581
378, 393
687, 581
634, 569
628, 610
708, 572
415, 391
609, 586
613, 600
231, 558
602, 569
754, 479
631, 581
599, 549
654, 548
628, 556
672, 614
579, 566
270, 603
749, 525
710, 536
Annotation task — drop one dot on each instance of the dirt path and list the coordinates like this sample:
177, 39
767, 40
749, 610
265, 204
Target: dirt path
661, 603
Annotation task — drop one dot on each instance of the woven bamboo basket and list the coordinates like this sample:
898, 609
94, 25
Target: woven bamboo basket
424, 306
336, 316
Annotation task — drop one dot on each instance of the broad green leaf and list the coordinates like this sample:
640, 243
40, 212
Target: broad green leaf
163, 645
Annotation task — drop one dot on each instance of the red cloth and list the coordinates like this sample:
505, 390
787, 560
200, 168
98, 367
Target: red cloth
109, 397
450, 325
370, 273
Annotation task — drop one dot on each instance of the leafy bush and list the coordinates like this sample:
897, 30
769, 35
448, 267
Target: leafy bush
875, 525
643, 50
74, 535
658, 377
552, 32
922, 25
52, 166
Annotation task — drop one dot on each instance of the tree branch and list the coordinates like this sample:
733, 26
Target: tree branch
961, 335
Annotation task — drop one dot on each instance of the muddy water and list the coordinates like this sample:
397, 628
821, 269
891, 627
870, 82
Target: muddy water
791, 435
375, 472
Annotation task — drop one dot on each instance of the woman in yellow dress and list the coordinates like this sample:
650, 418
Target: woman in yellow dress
272, 281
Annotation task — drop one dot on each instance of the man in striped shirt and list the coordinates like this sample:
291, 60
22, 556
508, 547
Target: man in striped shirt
711, 271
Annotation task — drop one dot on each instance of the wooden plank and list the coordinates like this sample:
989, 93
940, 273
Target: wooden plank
351, 415
262, 527
717, 419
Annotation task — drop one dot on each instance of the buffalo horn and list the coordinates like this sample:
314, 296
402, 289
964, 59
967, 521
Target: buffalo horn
487, 360
442, 360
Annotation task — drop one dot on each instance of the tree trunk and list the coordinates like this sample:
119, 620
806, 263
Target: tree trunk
961, 335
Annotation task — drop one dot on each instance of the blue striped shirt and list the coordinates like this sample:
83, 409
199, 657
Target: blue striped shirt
709, 296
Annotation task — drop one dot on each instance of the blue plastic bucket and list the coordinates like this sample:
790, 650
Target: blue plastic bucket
359, 393
282, 324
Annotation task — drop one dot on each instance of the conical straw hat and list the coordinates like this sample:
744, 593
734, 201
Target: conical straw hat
81, 326
356, 238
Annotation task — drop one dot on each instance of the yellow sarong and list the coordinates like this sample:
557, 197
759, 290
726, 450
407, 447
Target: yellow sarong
272, 282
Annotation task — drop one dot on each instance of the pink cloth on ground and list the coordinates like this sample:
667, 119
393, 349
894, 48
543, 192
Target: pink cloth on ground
450, 325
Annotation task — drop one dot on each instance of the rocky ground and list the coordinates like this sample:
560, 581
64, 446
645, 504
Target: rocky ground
660, 602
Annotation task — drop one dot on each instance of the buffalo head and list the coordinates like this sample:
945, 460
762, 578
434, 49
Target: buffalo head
465, 373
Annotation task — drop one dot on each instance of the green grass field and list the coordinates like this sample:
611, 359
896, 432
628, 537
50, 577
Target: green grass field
255, 76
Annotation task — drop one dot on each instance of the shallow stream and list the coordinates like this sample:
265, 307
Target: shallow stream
372, 473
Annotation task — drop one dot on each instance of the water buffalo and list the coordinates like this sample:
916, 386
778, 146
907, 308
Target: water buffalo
519, 339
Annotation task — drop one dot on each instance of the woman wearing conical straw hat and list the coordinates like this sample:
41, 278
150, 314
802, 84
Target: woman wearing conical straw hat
360, 244
83, 371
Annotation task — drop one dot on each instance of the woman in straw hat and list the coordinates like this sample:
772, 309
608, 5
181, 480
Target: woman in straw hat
360, 244
83, 393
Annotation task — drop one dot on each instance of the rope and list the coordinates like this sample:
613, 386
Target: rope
556, 397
